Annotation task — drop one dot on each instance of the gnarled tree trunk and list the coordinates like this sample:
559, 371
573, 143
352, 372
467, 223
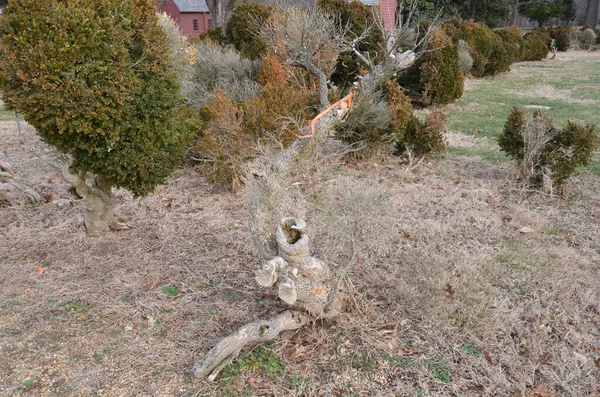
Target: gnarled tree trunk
303, 281
12, 190
97, 200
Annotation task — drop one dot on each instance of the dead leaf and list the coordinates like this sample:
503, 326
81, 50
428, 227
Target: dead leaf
409, 237
488, 357
393, 344
518, 393
541, 390
41, 270
597, 362
525, 230
319, 291
527, 352
595, 394
449, 291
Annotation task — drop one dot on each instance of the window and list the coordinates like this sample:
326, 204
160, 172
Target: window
195, 22
211, 24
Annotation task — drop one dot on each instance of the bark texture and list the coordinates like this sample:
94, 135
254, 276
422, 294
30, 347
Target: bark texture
12, 190
97, 200
259, 331
302, 280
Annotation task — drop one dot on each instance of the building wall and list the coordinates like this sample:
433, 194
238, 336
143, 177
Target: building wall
186, 23
388, 11
170, 9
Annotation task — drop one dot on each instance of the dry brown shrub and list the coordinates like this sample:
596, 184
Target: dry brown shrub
234, 129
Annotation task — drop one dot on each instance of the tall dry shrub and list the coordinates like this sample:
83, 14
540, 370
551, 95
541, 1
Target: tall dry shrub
234, 128
220, 68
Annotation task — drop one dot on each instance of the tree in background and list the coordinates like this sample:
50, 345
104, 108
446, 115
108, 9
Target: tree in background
93, 77
543, 10
591, 13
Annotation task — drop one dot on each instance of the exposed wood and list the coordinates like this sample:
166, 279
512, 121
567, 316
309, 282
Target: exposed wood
259, 331
97, 200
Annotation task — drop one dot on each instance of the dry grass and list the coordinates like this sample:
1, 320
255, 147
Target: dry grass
447, 296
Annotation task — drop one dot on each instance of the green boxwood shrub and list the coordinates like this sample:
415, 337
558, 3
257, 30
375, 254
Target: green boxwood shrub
489, 46
561, 37
435, 78
242, 28
513, 41
93, 77
536, 46
547, 156
489, 53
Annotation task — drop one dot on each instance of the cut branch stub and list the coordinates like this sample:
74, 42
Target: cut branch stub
302, 280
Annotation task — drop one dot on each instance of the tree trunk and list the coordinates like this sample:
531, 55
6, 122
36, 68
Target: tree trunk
304, 282
12, 190
591, 14
97, 200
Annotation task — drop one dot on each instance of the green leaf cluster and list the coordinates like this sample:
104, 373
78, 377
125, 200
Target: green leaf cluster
435, 78
542, 10
92, 77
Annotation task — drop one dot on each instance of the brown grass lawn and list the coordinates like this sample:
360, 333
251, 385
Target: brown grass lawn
449, 297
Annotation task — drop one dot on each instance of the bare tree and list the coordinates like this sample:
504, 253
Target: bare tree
309, 40
401, 47
304, 38
221, 11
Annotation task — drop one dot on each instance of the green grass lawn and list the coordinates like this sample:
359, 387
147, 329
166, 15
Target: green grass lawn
565, 89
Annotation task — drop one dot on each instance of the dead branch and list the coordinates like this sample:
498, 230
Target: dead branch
259, 331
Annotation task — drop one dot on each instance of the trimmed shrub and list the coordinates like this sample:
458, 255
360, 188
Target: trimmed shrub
489, 46
423, 138
547, 156
561, 37
513, 41
243, 26
435, 78
357, 17
490, 56
94, 78
536, 46
587, 39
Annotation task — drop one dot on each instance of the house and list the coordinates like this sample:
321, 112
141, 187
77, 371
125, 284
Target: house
387, 9
192, 16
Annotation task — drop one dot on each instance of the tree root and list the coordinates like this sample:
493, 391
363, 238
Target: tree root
259, 331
